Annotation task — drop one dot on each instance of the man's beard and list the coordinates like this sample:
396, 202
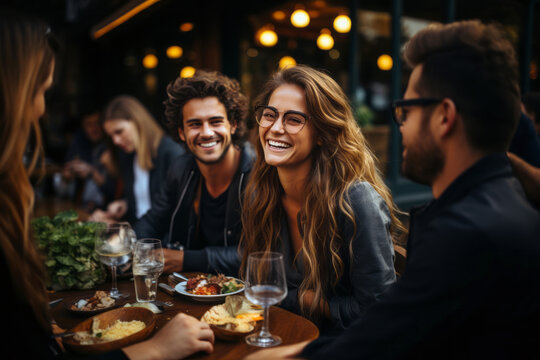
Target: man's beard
424, 161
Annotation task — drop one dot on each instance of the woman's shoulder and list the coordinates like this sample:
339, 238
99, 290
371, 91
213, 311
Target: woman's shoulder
363, 189
363, 197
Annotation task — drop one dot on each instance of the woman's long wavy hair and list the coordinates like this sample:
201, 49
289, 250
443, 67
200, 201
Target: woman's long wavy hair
26, 58
342, 158
149, 133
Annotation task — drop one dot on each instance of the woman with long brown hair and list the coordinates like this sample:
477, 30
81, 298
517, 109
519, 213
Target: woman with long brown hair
142, 153
315, 194
26, 72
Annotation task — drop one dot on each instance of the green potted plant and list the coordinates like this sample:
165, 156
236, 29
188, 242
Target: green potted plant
68, 246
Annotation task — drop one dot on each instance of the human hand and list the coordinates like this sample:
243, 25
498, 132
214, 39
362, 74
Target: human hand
280, 352
117, 209
101, 216
182, 336
81, 168
174, 260
58, 330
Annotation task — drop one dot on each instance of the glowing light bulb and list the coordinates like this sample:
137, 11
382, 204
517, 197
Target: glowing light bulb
279, 15
287, 61
384, 62
174, 52
185, 27
342, 24
300, 18
187, 72
268, 37
150, 61
325, 41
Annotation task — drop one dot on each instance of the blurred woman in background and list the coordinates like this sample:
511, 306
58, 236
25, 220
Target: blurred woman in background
26, 72
142, 154
316, 195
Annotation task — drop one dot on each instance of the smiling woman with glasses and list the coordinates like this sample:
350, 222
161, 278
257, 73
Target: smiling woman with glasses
316, 195
399, 107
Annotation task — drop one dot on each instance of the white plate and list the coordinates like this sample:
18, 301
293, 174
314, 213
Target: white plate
181, 289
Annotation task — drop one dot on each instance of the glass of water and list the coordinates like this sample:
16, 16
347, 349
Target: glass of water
113, 247
148, 264
266, 285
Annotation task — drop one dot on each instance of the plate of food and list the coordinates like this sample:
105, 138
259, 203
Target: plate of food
234, 319
209, 288
111, 330
92, 303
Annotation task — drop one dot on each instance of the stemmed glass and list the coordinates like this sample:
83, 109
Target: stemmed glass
148, 264
266, 285
113, 246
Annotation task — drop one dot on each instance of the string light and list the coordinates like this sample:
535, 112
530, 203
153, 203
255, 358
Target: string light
266, 36
385, 62
300, 18
187, 72
325, 41
174, 52
342, 24
287, 61
150, 61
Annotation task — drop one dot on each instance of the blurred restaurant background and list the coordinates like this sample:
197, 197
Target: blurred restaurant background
136, 47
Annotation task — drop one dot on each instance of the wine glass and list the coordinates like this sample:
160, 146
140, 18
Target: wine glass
113, 247
148, 264
266, 285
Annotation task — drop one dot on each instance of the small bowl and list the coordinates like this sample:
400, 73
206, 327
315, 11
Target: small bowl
68, 302
229, 335
107, 319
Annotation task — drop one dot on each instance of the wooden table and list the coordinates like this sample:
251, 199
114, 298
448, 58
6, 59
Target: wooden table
51, 206
290, 327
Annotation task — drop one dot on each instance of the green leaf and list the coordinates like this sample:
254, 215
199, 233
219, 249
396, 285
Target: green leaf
50, 263
63, 272
68, 246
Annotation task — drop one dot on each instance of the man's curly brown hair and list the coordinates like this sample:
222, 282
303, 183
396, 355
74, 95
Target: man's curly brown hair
204, 84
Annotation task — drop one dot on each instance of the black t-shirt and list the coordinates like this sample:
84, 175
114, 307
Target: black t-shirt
211, 218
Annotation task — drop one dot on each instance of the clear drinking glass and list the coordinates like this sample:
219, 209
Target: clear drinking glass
148, 264
266, 285
113, 247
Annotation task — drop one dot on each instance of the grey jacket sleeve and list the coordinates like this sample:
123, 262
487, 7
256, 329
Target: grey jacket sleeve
371, 262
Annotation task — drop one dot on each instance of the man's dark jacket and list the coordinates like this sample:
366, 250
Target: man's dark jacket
471, 287
172, 213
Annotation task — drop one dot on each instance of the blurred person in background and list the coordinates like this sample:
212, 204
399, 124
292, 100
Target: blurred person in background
316, 196
142, 153
27, 60
84, 178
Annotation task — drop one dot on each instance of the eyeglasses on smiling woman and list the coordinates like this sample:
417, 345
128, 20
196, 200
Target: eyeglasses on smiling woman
399, 111
293, 121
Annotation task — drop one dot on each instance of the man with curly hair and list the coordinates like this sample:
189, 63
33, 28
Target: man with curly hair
197, 212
